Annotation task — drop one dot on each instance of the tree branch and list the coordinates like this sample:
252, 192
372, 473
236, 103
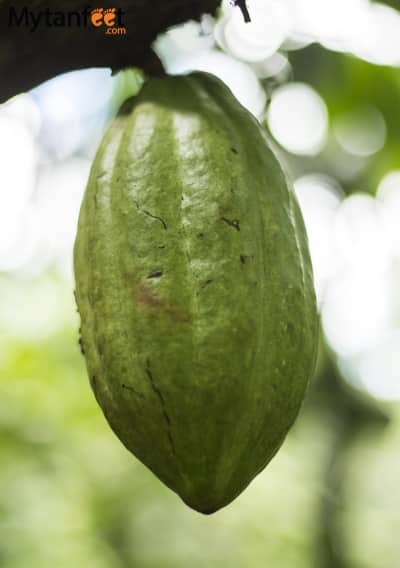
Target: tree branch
30, 56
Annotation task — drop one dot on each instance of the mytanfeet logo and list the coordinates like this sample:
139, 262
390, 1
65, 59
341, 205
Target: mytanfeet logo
108, 20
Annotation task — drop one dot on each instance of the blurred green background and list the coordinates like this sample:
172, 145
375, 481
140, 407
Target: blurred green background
325, 82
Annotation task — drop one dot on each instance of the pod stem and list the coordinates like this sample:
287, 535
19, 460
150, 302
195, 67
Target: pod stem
153, 66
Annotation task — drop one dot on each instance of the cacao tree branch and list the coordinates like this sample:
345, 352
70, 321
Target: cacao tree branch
37, 41
242, 5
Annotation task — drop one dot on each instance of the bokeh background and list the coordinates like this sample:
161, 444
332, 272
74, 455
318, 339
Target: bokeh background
323, 77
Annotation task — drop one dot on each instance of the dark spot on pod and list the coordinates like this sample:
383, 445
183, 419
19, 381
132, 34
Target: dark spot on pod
76, 302
200, 235
131, 389
81, 345
234, 150
234, 223
243, 258
156, 217
156, 274
204, 285
290, 328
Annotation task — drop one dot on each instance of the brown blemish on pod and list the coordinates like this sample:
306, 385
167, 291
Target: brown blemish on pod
153, 304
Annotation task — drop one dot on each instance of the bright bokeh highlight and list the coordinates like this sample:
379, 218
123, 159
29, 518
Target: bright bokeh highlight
298, 119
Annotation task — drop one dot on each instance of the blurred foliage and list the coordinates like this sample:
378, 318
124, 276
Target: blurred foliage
348, 84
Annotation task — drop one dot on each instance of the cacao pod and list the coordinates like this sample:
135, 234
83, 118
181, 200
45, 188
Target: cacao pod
195, 289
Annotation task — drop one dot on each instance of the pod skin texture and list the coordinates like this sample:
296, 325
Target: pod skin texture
195, 289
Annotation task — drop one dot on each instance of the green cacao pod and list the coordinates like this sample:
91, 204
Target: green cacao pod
195, 289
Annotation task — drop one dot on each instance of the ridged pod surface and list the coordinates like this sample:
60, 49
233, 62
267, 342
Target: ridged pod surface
195, 289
